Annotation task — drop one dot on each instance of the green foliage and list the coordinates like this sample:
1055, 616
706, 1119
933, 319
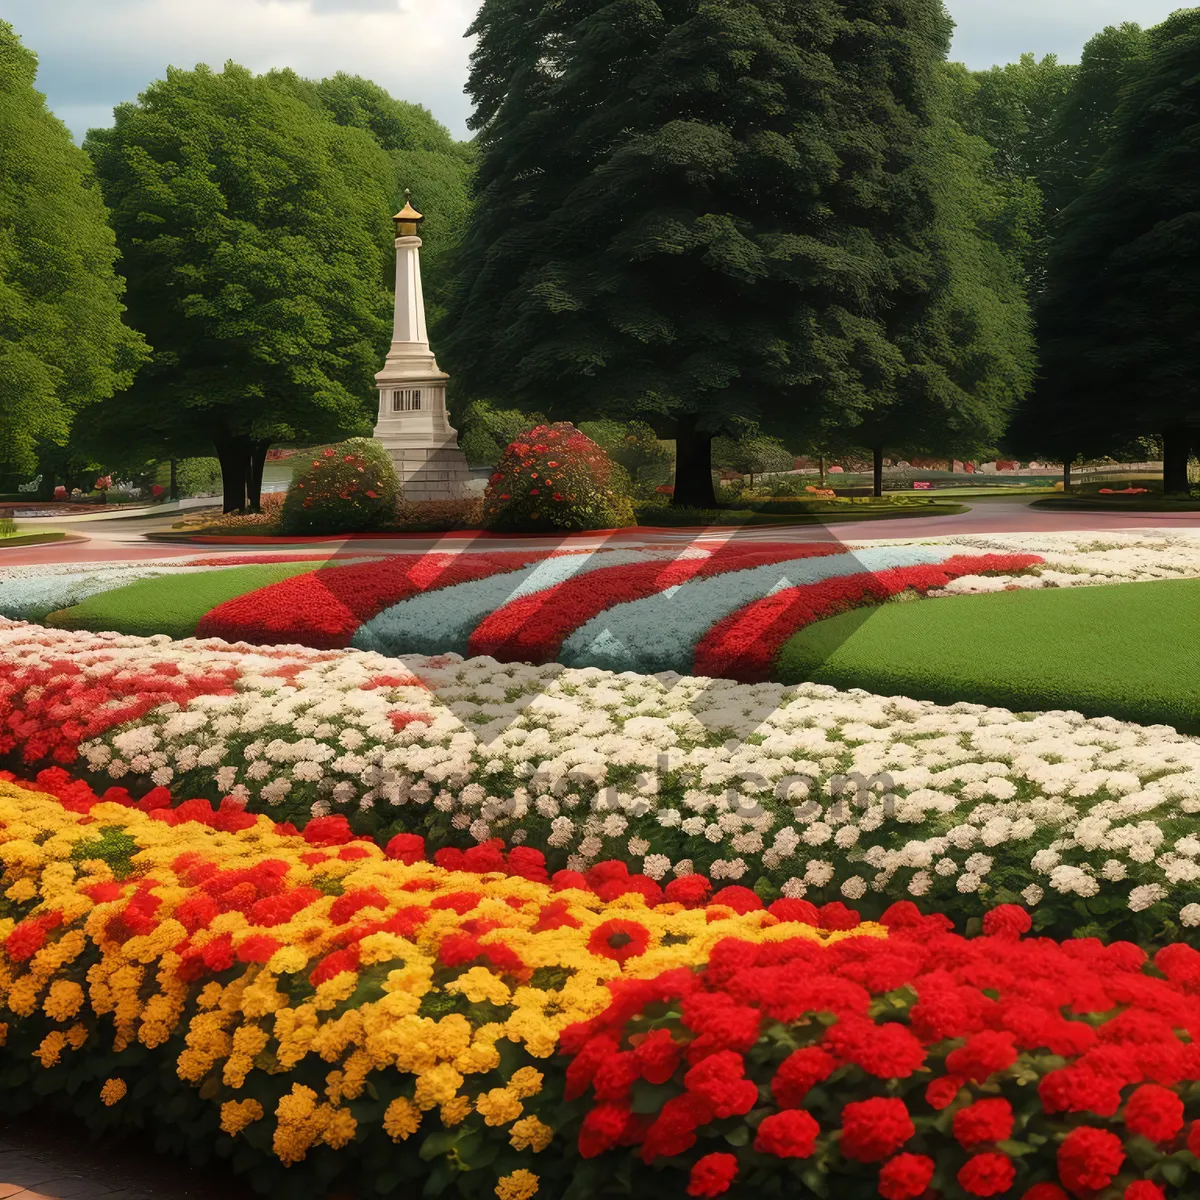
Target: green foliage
1116, 323
170, 604
555, 479
697, 213
1083, 649
198, 476
62, 341
753, 455
255, 235
345, 488
487, 430
634, 446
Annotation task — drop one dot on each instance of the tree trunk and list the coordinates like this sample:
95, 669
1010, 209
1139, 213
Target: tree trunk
1067, 474
1176, 448
877, 454
233, 453
258, 459
174, 480
693, 466
821, 465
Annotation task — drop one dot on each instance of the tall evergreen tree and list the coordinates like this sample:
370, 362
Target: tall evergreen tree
1119, 324
698, 213
256, 236
63, 344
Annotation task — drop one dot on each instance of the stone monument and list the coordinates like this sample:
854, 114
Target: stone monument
413, 426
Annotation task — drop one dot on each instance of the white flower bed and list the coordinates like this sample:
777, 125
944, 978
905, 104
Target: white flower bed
956, 805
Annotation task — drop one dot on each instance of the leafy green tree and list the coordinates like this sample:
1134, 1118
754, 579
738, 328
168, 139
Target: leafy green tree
697, 214
631, 444
63, 344
1117, 324
425, 158
488, 431
256, 236
970, 356
753, 455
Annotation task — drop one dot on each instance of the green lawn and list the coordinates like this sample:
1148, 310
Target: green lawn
171, 604
1124, 650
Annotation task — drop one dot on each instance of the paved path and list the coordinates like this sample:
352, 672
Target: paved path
43, 1159
124, 539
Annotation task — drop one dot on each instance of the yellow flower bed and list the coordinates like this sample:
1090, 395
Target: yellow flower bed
314, 1000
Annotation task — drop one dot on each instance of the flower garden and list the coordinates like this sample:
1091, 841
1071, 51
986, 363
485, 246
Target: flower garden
529, 874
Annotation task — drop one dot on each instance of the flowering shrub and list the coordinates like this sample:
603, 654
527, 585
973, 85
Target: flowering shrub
553, 479
801, 791
287, 998
345, 488
986, 1067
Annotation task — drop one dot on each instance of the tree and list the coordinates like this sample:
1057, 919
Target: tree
63, 344
752, 455
696, 214
970, 354
256, 235
1117, 323
425, 158
633, 445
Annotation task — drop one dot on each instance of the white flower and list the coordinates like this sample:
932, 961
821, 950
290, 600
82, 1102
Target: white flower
1146, 896
655, 866
1189, 915
920, 883
818, 873
854, 888
794, 889
637, 847
1033, 895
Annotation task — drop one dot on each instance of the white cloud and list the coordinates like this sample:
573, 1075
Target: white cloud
97, 54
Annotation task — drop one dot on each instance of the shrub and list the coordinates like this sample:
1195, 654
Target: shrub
345, 488
198, 477
556, 478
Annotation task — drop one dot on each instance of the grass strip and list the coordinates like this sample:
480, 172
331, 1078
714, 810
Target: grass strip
1129, 650
171, 604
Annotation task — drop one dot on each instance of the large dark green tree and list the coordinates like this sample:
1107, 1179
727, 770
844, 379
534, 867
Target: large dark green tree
1119, 324
698, 213
256, 238
63, 344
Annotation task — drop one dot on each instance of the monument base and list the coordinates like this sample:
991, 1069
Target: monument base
431, 473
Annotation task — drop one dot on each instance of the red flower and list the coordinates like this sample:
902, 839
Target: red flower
619, 940
1193, 1139
712, 1175
740, 899
801, 911
1045, 1191
1155, 1113
989, 1174
601, 1128
333, 965
1007, 920
885, 1051
789, 1134
720, 1080
874, 1129
657, 1056
837, 916
408, 848
905, 1177
983, 1056
941, 1093
689, 890
982, 1122
799, 1073
1089, 1158
1143, 1189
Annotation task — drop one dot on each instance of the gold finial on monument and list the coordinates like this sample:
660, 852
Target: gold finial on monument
407, 219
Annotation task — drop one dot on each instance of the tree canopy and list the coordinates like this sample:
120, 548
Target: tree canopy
256, 239
63, 344
698, 214
1118, 323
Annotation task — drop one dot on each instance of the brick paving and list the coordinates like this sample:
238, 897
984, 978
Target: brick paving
48, 1159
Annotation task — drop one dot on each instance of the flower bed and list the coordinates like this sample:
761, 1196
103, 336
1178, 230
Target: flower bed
327, 1014
800, 791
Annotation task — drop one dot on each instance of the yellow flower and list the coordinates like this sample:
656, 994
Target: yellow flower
498, 1107
401, 1119
520, 1185
51, 1048
64, 1000
237, 1114
436, 1086
112, 1091
24, 889
530, 1134
525, 1081
455, 1112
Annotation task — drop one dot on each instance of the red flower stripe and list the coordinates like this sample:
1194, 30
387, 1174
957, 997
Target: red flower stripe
46, 711
326, 607
533, 628
745, 644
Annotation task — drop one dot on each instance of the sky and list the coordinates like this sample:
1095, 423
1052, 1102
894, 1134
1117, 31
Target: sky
95, 54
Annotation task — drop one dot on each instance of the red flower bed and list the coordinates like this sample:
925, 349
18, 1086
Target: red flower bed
1055, 1069
325, 608
745, 644
533, 628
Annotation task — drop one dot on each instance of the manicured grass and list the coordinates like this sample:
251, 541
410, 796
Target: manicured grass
30, 539
1097, 503
1124, 650
171, 604
815, 513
